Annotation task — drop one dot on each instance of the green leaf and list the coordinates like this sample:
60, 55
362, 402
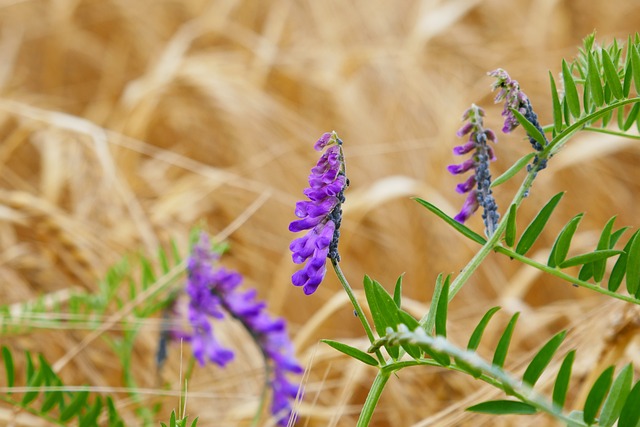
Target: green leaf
9, 367
514, 169
90, 418
431, 316
503, 407
586, 272
352, 351
562, 379
542, 359
630, 414
411, 323
557, 109
565, 111
78, 402
561, 246
441, 310
596, 395
611, 75
476, 336
532, 131
615, 236
510, 233
635, 65
503, 345
617, 395
591, 257
570, 91
195, 422
441, 358
114, 418
383, 310
593, 82
34, 380
603, 244
464, 230
51, 400
537, 225
633, 266
632, 117
397, 291
164, 261
620, 267
628, 72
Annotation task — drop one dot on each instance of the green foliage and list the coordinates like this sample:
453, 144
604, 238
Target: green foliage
536, 226
595, 95
503, 407
48, 399
616, 395
174, 422
134, 285
352, 351
461, 228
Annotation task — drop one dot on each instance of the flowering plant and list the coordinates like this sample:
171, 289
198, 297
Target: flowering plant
597, 86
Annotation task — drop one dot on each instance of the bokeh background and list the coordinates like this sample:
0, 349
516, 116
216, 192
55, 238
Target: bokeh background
123, 124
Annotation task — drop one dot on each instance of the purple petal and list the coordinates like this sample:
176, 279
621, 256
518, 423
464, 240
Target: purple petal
323, 141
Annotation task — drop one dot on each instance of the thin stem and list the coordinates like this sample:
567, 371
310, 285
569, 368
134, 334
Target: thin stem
468, 270
491, 374
373, 397
564, 276
611, 132
356, 306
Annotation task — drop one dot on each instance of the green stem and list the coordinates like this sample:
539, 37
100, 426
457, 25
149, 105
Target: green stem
468, 270
373, 397
356, 307
564, 276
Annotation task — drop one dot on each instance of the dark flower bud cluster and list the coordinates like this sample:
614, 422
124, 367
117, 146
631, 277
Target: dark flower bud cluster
477, 185
213, 291
320, 215
514, 98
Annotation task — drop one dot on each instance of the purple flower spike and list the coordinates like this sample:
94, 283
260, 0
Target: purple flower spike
213, 292
514, 99
478, 184
321, 215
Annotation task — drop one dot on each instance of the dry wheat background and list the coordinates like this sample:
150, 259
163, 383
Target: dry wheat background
124, 123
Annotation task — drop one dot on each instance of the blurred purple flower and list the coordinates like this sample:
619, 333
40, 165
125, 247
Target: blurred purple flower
479, 184
213, 291
321, 215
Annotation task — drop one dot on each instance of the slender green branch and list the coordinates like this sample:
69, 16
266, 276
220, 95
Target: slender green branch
564, 276
356, 307
468, 270
373, 397
561, 139
493, 375
611, 132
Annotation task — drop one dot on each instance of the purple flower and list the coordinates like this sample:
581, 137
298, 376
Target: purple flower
320, 215
477, 185
514, 99
213, 293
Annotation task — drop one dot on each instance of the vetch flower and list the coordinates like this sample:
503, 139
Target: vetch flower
320, 215
514, 99
477, 185
213, 294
